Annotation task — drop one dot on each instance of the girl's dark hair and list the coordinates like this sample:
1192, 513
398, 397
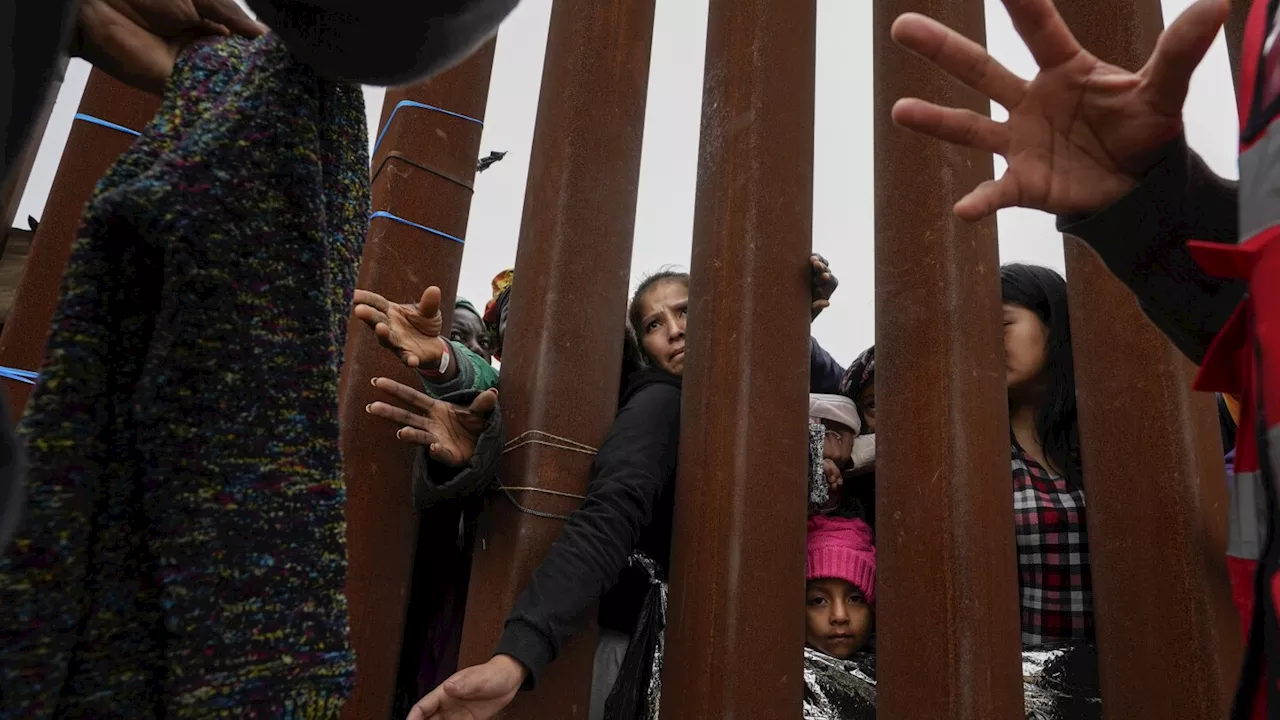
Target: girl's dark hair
632, 360
634, 310
1044, 292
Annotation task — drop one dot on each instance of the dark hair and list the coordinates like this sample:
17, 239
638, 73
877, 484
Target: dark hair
1044, 292
633, 310
632, 360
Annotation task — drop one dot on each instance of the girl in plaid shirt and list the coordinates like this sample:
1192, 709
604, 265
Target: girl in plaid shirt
1048, 495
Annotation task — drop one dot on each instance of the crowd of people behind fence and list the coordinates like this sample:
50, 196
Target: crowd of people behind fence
173, 521
620, 536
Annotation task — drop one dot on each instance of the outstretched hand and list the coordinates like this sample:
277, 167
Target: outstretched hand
410, 330
822, 283
448, 431
1082, 132
475, 693
138, 41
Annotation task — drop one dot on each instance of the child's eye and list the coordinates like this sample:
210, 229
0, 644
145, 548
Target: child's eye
815, 601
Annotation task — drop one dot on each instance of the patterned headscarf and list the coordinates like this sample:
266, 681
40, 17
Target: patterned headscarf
859, 375
501, 284
497, 305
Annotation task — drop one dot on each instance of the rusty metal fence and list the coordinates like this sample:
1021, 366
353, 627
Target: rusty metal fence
948, 636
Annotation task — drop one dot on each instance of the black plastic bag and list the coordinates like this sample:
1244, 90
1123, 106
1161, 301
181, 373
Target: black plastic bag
639, 685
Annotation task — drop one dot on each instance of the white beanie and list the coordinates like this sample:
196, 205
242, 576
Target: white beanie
836, 408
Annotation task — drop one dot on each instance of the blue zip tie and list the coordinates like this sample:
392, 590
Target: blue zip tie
420, 106
410, 223
24, 376
106, 124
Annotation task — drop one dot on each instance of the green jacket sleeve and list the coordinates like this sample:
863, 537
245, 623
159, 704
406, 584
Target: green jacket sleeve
474, 373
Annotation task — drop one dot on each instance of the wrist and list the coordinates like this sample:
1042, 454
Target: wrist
441, 367
511, 668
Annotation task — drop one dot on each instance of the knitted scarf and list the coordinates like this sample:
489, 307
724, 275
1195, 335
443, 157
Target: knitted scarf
184, 551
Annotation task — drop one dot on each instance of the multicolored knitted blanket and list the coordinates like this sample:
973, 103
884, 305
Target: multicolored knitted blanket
184, 553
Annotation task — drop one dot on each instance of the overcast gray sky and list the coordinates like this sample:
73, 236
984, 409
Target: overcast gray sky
843, 184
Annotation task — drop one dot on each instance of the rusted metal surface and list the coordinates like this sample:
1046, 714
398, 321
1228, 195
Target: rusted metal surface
946, 586
1168, 636
563, 347
15, 184
1234, 28
399, 261
90, 150
736, 626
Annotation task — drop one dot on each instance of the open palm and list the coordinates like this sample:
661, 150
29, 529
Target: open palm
448, 431
411, 331
1080, 133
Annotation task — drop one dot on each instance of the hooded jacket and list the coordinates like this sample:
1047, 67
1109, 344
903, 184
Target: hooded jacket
628, 507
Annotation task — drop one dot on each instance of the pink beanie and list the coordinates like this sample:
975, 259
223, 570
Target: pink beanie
842, 548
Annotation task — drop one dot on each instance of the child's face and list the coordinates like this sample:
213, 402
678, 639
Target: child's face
839, 442
837, 617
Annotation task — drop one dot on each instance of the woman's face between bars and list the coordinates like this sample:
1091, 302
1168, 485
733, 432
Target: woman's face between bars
664, 308
1025, 348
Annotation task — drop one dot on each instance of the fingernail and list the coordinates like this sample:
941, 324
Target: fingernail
368, 408
373, 382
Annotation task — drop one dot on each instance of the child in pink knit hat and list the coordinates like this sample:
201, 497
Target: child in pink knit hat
840, 592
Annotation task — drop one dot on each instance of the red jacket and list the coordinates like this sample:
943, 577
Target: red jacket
1244, 359
1199, 254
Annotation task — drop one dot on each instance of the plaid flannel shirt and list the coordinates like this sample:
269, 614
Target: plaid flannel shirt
1054, 586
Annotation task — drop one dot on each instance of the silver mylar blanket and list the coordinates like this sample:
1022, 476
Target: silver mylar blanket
819, 493
1059, 682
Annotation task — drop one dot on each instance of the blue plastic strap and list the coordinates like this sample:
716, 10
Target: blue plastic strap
420, 106
106, 124
412, 224
23, 376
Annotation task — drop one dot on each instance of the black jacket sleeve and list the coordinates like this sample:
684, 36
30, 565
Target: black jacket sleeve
628, 476
1142, 238
825, 374
382, 42
35, 35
